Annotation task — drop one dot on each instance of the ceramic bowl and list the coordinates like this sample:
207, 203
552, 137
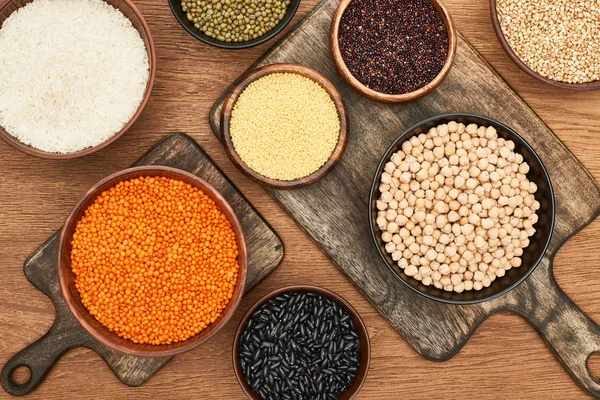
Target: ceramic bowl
66, 277
384, 97
595, 85
139, 23
181, 17
310, 73
365, 345
532, 255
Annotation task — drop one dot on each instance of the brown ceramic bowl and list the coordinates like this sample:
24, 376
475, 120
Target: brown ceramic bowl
365, 345
295, 69
130, 11
563, 85
383, 97
66, 278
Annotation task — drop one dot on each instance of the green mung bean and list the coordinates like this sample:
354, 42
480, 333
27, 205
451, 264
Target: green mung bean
235, 20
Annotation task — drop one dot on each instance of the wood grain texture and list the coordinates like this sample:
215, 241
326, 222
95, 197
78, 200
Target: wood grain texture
340, 228
505, 358
177, 151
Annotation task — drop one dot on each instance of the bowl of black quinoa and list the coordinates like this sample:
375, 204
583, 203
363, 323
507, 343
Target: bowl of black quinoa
393, 51
301, 342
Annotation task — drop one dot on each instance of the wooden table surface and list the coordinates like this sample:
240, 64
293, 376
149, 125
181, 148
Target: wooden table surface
504, 359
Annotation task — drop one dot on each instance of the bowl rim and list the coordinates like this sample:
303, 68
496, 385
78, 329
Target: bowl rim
302, 70
239, 374
594, 85
289, 15
156, 350
384, 97
375, 186
151, 50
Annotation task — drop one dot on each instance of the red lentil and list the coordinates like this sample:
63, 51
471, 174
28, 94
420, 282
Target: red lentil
155, 260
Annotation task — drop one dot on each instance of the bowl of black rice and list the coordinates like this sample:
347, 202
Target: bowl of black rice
301, 342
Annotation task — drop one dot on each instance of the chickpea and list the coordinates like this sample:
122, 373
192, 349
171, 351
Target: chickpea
487, 223
390, 247
486, 281
386, 197
411, 270
456, 208
391, 214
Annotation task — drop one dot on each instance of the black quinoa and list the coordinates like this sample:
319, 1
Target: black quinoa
299, 345
393, 46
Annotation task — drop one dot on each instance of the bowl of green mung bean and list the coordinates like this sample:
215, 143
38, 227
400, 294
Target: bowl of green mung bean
234, 24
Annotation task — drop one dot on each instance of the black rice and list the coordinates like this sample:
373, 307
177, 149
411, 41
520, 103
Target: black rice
300, 346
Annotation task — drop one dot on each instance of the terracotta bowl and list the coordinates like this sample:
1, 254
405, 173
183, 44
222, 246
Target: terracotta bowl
295, 69
365, 345
532, 255
66, 277
130, 11
181, 17
383, 97
563, 85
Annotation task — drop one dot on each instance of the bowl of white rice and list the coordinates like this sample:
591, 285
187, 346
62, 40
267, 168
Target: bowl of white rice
75, 75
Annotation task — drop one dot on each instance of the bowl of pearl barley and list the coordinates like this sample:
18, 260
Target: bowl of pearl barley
555, 41
461, 208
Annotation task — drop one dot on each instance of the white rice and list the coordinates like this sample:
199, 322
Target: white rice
72, 73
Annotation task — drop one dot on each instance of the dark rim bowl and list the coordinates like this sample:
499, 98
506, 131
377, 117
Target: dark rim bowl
539, 242
365, 345
66, 278
139, 23
595, 85
191, 29
307, 72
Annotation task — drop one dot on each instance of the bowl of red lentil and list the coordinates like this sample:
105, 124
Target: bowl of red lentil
284, 126
393, 51
152, 261
559, 47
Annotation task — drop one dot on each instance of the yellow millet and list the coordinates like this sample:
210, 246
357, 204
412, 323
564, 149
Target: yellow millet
284, 126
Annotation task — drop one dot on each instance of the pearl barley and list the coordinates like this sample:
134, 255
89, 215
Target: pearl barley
559, 39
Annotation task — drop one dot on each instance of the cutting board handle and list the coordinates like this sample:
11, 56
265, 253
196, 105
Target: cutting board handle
571, 335
39, 357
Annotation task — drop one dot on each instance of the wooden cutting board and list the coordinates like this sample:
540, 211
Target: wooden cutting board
334, 212
265, 252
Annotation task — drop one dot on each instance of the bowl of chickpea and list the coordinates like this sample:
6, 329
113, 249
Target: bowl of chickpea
461, 208
152, 261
